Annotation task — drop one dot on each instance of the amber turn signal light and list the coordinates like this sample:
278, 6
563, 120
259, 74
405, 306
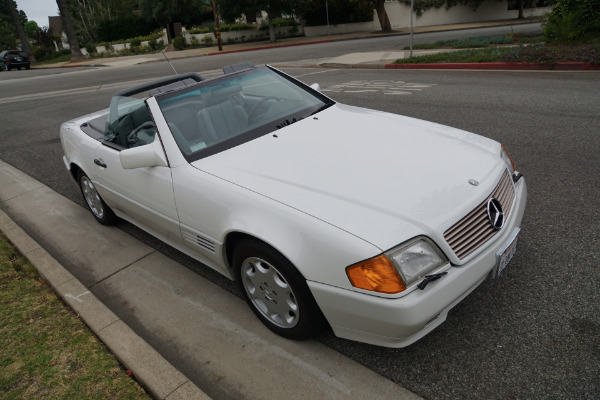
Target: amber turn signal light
376, 274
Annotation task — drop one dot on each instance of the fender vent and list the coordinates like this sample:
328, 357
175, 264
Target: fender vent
200, 241
471, 232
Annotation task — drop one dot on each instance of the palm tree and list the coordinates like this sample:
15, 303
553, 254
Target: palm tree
12, 9
67, 25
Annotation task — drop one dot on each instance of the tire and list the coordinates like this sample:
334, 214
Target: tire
275, 291
28, 68
101, 212
19, 68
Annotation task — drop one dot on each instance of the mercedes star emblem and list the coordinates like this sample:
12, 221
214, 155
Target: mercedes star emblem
495, 213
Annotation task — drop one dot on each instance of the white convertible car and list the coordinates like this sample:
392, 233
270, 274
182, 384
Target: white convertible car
376, 224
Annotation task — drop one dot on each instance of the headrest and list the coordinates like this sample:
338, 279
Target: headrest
221, 94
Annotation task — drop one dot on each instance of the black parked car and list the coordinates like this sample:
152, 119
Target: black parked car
10, 59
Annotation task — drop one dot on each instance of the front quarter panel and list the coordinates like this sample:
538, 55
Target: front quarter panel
215, 208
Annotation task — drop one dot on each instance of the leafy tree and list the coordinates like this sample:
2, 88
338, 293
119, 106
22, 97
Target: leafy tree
89, 15
30, 28
67, 25
44, 40
167, 12
573, 20
8, 33
17, 19
273, 9
339, 11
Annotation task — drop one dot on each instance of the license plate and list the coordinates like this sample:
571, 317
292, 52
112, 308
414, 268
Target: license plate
19, 59
506, 253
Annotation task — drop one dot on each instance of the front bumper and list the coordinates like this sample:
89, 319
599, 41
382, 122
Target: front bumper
402, 321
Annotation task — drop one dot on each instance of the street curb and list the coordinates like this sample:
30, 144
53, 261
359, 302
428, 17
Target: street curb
149, 368
561, 66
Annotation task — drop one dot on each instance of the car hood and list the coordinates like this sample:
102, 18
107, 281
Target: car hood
382, 177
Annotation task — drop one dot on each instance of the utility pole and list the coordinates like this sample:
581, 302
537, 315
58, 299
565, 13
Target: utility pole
217, 29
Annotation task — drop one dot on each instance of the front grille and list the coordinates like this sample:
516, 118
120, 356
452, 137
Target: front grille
468, 234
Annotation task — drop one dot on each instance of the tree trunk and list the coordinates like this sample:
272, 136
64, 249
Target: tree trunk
67, 25
272, 37
384, 21
20, 31
521, 16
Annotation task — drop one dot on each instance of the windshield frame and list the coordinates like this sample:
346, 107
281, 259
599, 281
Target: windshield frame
255, 132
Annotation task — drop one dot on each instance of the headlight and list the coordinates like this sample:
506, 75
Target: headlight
397, 269
508, 160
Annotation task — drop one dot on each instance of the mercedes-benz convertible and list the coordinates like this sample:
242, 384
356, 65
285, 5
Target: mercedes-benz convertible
372, 223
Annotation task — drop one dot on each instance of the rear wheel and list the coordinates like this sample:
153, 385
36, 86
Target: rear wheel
96, 205
275, 291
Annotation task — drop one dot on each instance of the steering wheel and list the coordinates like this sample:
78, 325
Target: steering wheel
133, 139
256, 111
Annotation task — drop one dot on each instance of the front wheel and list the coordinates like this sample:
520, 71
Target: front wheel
96, 205
275, 291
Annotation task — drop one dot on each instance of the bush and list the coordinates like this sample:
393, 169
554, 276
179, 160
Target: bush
179, 43
201, 29
207, 40
136, 42
236, 27
279, 22
573, 21
90, 48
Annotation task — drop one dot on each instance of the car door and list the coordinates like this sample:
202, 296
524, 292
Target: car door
143, 196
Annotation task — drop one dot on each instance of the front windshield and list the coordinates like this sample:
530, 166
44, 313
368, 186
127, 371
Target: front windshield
215, 115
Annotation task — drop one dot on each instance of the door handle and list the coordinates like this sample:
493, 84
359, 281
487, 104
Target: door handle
99, 162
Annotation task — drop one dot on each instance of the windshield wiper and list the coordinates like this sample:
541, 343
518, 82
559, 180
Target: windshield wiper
287, 122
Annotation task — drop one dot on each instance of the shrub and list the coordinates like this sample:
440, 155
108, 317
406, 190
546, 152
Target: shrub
194, 41
236, 27
90, 48
207, 40
278, 22
179, 43
573, 21
136, 42
201, 29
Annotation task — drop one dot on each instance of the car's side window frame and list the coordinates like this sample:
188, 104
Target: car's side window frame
117, 133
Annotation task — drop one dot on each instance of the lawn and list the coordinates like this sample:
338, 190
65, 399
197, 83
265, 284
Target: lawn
513, 49
46, 351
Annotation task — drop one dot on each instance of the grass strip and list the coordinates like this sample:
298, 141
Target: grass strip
46, 351
538, 53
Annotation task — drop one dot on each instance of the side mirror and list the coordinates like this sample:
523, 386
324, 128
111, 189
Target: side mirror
142, 157
316, 87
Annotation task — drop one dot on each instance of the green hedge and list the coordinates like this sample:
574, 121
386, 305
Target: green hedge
573, 21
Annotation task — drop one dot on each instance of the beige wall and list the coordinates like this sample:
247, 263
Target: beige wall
399, 14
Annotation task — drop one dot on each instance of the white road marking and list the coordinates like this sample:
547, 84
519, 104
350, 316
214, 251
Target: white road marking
387, 87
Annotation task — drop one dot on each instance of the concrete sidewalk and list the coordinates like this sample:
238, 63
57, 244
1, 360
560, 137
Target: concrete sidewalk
182, 336
365, 59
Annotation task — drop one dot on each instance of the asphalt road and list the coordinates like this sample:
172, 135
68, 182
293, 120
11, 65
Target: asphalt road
533, 333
